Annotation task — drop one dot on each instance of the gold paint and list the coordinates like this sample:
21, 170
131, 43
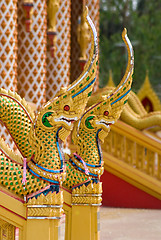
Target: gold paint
146, 91
110, 80
52, 9
37, 136
83, 37
94, 126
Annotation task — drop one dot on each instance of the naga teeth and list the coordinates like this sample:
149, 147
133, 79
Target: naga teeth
107, 124
110, 122
69, 121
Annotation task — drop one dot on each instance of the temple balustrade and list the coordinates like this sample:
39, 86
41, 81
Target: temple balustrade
135, 148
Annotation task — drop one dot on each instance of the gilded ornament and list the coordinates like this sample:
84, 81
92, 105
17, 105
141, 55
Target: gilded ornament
45, 206
39, 137
148, 97
85, 166
83, 37
52, 9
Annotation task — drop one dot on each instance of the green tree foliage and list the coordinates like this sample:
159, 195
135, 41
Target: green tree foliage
142, 18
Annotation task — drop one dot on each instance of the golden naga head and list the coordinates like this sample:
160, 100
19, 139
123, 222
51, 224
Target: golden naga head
108, 109
69, 103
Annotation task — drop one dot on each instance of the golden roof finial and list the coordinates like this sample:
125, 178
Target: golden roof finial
147, 92
110, 80
147, 83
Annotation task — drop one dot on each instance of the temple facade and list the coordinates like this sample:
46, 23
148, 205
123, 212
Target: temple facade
44, 45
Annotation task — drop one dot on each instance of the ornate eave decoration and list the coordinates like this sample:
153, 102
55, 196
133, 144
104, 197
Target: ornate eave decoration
148, 96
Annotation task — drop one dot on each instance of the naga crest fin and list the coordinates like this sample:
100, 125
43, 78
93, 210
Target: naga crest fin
76, 93
125, 84
108, 109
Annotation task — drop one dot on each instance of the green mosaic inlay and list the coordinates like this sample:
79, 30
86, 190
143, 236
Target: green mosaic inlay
87, 122
45, 120
89, 94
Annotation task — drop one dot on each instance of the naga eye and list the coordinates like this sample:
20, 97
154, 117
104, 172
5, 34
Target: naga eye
106, 113
66, 108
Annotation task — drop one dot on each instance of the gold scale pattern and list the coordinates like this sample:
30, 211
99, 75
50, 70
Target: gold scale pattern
16, 120
18, 123
73, 176
88, 150
11, 175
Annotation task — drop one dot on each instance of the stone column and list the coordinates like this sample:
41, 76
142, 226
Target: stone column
93, 6
8, 51
77, 9
58, 63
8, 44
32, 53
85, 219
43, 216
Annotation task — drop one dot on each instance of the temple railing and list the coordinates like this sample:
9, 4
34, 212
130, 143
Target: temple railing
134, 148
